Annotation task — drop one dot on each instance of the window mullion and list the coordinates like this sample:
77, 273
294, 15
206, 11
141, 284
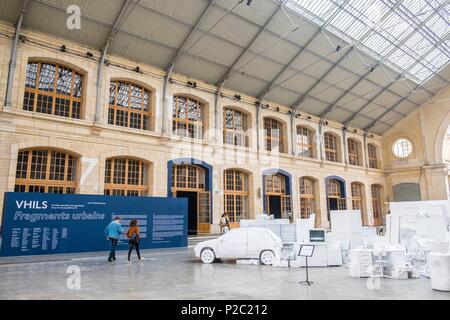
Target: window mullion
55, 87
36, 89
72, 94
130, 89
47, 173
66, 169
126, 174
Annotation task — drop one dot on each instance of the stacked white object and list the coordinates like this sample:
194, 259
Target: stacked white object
361, 261
303, 226
346, 227
318, 259
440, 271
334, 254
281, 227
429, 219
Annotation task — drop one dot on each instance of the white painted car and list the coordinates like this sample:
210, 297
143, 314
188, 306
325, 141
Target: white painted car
241, 243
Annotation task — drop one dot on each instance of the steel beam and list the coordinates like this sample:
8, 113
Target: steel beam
261, 96
115, 28
387, 87
169, 68
261, 30
180, 51
146, 7
404, 40
13, 55
370, 126
318, 81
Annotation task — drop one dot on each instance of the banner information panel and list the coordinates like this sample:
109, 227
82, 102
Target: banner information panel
40, 223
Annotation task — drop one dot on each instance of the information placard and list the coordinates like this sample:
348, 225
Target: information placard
306, 250
36, 224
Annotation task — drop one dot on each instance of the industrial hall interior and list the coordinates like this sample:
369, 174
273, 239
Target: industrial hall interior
305, 122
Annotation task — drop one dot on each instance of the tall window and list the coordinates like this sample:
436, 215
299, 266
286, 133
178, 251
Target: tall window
333, 188
46, 171
53, 89
275, 184
188, 176
376, 204
129, 105
234, 127
372, 155
331, 147
273, 135
353, 152
307, 198
304, 142
125, 177
236, 195
358, 200
187, 117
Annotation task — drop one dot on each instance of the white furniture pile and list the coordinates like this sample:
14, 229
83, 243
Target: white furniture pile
416, 242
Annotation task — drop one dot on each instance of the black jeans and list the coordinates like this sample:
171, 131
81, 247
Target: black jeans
112, 253
135, 244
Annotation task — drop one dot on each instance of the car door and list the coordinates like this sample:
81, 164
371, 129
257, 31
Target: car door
258, 240
233, 244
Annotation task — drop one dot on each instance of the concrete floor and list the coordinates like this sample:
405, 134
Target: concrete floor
176, 274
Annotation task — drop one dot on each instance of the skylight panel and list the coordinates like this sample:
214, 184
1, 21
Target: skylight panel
401, 33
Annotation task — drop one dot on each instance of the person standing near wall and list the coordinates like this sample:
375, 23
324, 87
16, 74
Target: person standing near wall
224, 224
113, 232
134, 239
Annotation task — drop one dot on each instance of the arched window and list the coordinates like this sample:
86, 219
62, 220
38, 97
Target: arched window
372, 155
189, 177
236, 195
273, 135
187, 117
331, 147
307, 197
376, 204
52, 88
276, 184
125, 177
234, 127
46, 171
333, 188
335, 195
129, 105
354, 152
305, 147
358, 199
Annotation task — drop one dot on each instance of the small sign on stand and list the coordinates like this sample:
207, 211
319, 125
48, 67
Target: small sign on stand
307, 251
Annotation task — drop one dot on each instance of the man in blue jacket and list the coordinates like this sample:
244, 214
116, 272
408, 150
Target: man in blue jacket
112, 233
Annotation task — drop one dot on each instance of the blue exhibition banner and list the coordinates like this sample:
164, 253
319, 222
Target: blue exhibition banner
37, 223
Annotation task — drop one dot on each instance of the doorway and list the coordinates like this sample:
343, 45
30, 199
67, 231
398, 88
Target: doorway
275, 206
192, 210
190, 181
277, 201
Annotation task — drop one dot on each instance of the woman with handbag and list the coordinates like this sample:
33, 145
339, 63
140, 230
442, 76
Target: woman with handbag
134, 238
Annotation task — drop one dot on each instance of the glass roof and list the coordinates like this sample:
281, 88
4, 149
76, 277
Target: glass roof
411, 36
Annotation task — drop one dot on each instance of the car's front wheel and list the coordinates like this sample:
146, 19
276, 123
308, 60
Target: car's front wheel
267, 258
207, 256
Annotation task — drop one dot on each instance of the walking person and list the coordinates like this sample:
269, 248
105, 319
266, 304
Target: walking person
134, 239
113, 232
